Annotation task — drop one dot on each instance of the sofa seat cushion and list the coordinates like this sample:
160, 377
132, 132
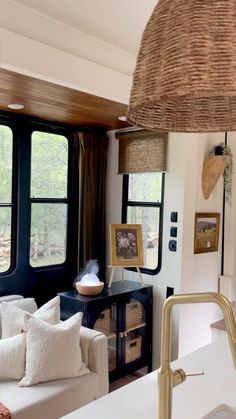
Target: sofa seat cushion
50, 399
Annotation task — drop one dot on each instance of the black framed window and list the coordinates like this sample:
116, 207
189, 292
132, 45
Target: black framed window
6, 197
142, 203
38, 207
49, 198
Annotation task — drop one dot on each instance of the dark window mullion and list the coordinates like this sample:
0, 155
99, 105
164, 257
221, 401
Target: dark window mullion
49, 200
7, 205
23, 154
143, 204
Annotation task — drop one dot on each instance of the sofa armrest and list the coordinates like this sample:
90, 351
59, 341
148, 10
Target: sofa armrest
95, 355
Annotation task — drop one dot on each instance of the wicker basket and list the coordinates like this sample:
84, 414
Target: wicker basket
133, 348
103, 323
134, 313
185, 77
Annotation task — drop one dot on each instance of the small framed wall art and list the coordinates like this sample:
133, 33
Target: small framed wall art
206, 232
126, 245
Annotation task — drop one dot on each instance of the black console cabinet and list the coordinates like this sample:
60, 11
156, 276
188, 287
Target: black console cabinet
124, 314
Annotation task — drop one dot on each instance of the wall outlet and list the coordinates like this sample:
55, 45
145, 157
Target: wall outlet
173, 245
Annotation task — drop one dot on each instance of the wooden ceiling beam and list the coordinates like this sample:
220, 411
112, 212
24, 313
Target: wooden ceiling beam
56, 103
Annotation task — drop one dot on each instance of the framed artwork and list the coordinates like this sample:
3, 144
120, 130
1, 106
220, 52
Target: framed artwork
126, 245
206, 233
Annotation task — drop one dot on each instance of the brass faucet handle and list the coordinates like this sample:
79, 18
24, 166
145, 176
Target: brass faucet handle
179, 376
193, 374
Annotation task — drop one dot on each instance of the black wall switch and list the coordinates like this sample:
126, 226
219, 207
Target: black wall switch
174, 217
169, 291
173, 245
173, 231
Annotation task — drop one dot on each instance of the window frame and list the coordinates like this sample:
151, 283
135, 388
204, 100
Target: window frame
6, 121
21, 277
40, 200
127, 203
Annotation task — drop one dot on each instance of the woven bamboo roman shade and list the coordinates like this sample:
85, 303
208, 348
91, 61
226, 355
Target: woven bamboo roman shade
185, 76
142, 151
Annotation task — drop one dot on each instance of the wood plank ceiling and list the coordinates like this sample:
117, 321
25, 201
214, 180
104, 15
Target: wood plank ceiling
57, 103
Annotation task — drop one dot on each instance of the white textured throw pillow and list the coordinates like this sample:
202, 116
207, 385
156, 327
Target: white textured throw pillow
53, 352
13, 317
12, 357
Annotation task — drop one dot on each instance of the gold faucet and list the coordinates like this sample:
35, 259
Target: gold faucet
167, 378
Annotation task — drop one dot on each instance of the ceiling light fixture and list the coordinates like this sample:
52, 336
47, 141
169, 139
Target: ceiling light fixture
15, 106
122, 118
185, 78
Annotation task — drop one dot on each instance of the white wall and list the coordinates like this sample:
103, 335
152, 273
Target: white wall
37, 46
230, 225
171, 262
199, 271
185, 271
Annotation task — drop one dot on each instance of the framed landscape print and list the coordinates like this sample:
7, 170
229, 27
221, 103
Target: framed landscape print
126, 245
206, 233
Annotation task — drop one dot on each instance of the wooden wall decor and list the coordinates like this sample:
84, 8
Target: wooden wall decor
213, 168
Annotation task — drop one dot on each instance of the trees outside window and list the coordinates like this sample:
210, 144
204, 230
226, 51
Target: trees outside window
49, 198
143, 204
38, 207
6, 201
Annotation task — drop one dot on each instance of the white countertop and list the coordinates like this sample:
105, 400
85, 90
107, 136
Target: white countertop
192, 399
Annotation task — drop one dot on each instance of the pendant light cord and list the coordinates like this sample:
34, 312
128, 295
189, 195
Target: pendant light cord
223, 228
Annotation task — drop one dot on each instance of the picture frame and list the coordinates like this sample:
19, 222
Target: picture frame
126, 245
206, 232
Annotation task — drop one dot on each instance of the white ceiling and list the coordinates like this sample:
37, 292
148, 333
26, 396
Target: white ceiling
116, 22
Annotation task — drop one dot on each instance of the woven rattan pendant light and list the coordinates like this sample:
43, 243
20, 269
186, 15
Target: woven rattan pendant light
185, 76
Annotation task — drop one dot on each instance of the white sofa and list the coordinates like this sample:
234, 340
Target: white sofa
53, 399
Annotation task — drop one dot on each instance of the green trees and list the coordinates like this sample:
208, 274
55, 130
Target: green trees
144, 194
6, 147
48, 197
49, 167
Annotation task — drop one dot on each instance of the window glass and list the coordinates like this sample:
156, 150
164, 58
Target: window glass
49, 206
49, 165
145, 187
5, 238
38, 200
142, 204
48, 234
6, 149
149, 217
6, 164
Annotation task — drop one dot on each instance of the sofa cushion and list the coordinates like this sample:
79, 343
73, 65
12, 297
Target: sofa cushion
13, 316
10, 297
27, 304
12, 357
53, 351
50, 399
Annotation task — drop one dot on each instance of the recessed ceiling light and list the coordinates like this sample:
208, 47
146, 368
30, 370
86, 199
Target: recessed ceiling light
15, 106
122, 118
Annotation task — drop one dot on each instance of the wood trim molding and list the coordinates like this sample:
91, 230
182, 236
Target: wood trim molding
55, 103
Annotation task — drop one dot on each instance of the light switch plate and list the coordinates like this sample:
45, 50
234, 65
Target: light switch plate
174, 217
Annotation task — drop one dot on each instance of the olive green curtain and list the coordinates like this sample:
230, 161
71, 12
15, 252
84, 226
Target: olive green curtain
92, 161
